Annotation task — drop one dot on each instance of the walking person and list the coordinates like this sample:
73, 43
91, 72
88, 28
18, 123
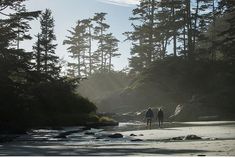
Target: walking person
160, 117
149, 116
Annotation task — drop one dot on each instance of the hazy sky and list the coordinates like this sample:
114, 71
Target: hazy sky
67, 12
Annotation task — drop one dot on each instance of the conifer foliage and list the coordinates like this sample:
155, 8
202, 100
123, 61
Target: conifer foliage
172, 28
32, 91
86, 34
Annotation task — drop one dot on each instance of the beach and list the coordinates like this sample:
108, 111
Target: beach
214, 139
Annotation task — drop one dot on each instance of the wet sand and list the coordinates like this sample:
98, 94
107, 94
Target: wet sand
218, 140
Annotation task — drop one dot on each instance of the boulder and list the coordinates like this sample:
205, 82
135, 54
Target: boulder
89, 133
192, 137
178, 138
116, 135
64, 135
133, 135
61, 136
188, 137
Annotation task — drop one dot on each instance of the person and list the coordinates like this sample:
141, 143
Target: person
149, 116
160, 117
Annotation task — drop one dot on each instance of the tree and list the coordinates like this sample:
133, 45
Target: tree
15, 64
157, 23
227, 37
22, 21
77, 46
99, 31
226, 6
110, 47
89, 27
38, 53
47, 46
80, 41
143, 37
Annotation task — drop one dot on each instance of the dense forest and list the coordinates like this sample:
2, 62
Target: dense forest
182, 53
33, 91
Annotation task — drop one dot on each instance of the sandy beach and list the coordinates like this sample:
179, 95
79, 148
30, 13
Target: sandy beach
218, 139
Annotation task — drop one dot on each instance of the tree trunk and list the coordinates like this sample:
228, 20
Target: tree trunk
110, 61
90, 60
102, 51
151, 51
79, 66
189, 28
46, 48
38, 58
195, 24
213, 54
18, 39
174, 36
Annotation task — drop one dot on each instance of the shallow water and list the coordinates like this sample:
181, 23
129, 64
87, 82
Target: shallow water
43, 141
213, 128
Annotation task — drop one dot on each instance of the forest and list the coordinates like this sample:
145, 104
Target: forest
182, 53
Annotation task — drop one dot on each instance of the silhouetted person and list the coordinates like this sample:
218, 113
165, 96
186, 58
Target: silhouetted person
149, 116
160, 117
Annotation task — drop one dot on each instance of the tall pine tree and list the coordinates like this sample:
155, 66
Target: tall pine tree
49, 59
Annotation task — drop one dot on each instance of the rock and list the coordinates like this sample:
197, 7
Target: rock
99, 138
61, 136
188, 137
106, 140
133, 135
178, 138
71, 132
89, 133
116, 135
136, 140
7, 138
201, 155
86, 128
141, 135
65, 134
192, 137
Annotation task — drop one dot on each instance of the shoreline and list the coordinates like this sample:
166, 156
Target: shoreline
216, 141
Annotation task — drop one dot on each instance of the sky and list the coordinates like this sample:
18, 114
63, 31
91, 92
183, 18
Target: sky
67, 12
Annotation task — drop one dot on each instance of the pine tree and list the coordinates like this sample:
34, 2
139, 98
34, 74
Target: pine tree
144, 38
99, 31
38, 53
48, 47
111, 46
88, 35
22, 22
77, 46
15, 64
226, 6
228, 37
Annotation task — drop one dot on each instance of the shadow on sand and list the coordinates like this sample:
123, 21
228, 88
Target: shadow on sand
78, 150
